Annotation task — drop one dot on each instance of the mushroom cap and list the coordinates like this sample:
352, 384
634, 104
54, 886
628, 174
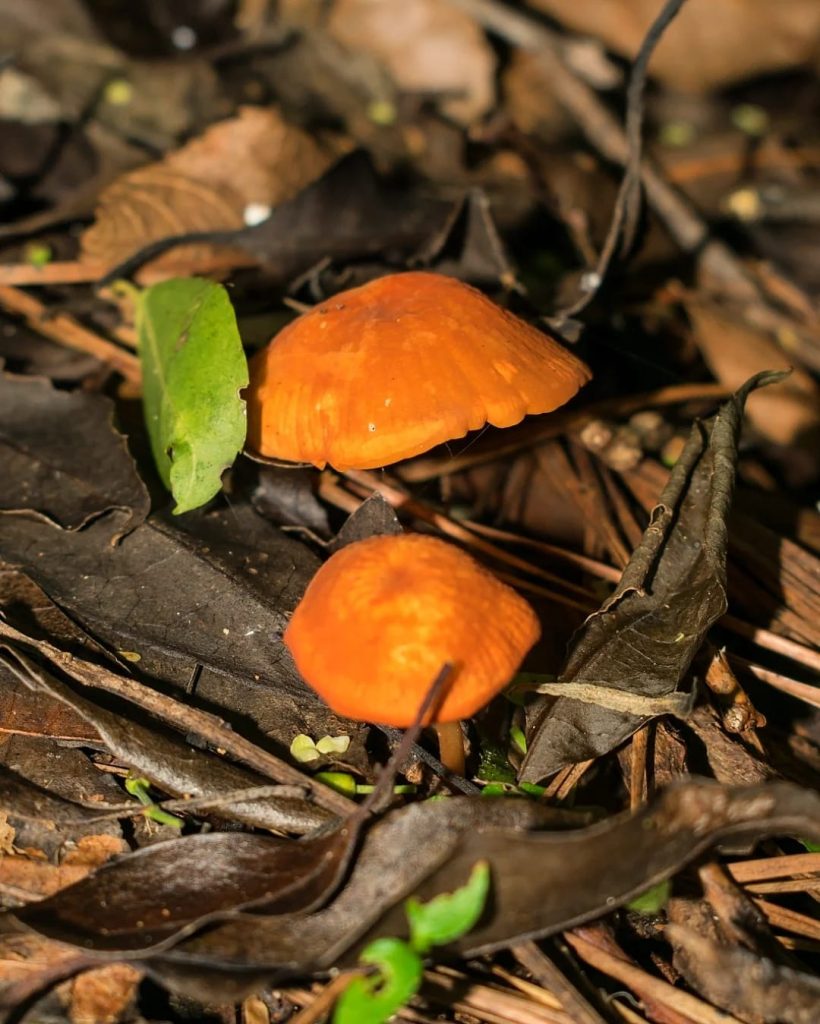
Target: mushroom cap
382, 616
389, 370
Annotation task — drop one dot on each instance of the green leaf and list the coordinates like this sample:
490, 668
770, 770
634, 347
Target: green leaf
450, 915
653, 900
193, 368
375, 998
303, 749
333, 744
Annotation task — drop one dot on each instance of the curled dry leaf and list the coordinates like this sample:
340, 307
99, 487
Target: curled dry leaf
207, 185
712, 42
157, 895
169, 762
422, 849
673, 590
743, 983
787, 414
428, 47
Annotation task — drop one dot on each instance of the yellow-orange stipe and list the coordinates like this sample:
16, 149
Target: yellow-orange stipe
383, 615
389, 370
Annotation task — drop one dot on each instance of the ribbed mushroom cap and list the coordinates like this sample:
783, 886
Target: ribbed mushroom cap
380, 373
382, 616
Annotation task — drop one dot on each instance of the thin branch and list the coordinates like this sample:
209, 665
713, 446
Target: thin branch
182, 716
626, 213
66, 331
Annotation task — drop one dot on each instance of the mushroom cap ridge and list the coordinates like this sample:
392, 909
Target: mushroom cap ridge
381, 617
386, 371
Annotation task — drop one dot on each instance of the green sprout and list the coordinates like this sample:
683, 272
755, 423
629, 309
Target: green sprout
139, 788
652, 900
375, 997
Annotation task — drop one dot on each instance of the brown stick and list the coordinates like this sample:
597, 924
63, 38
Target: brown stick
68, 272
544, 428
718, 266
182, 717
65, 330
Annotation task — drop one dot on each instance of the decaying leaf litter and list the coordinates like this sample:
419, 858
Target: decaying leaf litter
645, 795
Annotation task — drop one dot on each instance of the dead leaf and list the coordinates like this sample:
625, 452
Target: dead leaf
7, 834
166, 760
45, 822
94, 851
214, 590
673, 590
712, 43
428, 48
61, 458
349, 212
745, 984
31, 879
103, 995
789, 413
582, 873
252, 162
374, 517
157, 895
37, 714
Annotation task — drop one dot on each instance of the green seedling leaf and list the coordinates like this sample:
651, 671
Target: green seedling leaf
518, 738
653, 900
333, 744
375, 998
497, 789
139, 788
303, 749
340, 781
451, 915
193, 369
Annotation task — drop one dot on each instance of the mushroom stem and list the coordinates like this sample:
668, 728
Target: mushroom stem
451, 746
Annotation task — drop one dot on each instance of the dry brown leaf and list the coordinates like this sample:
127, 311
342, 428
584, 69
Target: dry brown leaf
528, 99
33, 879
787, 413
427, 47
710, 44
7, 834
103, 995
254, 158
92, 851
24, 954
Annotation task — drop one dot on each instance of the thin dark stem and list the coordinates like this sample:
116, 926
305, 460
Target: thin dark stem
628, 203
383, 790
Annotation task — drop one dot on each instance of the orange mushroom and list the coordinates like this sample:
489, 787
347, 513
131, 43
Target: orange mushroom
389, 370
381, 617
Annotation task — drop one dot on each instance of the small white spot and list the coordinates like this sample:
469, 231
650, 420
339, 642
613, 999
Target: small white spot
371, 427
255, 213
249, 632
590, 281
388, 402
226, 631
183, 37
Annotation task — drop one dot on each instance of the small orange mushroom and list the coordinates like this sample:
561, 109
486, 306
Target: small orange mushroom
381, 617
389, 370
